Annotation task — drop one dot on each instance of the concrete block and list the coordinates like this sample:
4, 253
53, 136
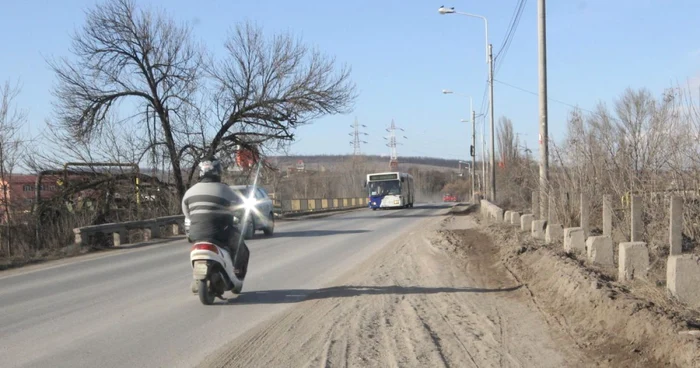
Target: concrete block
506, 216
515, 218
176, 229
498, 214
683, 278
120, 238
151, 233
554, 233
538, 229
600, 250
574, 240
526, 222
676, 226
633, 261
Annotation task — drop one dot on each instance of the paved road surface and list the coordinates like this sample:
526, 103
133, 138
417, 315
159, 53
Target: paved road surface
134, 308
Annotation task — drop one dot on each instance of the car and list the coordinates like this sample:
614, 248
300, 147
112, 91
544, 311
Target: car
449, 198
260, 211
260, 208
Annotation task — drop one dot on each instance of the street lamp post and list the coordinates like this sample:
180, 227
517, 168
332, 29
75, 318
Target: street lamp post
489, 61
473, 145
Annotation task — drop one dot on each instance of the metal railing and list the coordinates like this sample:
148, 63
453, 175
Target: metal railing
152, 227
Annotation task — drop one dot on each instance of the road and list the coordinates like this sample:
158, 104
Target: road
133, 308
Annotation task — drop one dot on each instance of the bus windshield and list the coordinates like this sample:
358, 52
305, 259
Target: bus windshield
389, 187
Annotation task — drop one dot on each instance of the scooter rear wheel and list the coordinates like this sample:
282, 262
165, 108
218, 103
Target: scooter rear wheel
205, 296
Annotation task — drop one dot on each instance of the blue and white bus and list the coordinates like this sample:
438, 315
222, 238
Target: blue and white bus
390, 190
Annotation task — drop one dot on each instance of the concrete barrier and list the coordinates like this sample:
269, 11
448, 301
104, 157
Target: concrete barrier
600, 250
526, 222
633, 261
491, 211
120, 231
574, 240
506, 216
538, 229
554, 233
683, 278
515, 218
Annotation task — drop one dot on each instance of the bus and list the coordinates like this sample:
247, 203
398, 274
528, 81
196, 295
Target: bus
390, 190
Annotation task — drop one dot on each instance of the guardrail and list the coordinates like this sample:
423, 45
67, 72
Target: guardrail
311, 205
152, 227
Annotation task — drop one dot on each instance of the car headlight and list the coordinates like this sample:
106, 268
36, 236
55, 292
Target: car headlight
249, 203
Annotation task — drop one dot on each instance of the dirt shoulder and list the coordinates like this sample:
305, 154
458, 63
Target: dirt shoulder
437, 297
619, 325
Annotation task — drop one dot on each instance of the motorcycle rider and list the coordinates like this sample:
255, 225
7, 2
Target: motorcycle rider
209, 206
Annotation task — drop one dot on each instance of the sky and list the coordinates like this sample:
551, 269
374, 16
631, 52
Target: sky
403, 54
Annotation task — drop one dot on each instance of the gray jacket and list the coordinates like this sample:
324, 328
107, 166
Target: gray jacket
210, 206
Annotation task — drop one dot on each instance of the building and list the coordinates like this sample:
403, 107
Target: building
18, 191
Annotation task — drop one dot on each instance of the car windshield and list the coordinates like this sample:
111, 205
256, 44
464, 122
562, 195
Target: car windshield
390, 187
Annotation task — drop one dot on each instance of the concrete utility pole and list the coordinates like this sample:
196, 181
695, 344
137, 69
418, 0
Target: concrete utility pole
472, 151
544, 136
493, 138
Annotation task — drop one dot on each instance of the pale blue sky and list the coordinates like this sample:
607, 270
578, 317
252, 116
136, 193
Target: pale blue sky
403, 53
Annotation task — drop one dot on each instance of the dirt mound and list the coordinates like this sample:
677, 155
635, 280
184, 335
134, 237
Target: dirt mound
623, 325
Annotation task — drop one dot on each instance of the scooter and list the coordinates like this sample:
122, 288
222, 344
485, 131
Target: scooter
212, 271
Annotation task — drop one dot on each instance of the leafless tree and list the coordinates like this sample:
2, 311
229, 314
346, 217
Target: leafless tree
11, 121
507, 141
262, 90
125, 53
265, 89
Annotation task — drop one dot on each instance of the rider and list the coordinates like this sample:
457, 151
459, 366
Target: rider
209, 207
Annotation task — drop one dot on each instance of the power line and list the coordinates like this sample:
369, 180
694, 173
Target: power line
548, 98
510, 34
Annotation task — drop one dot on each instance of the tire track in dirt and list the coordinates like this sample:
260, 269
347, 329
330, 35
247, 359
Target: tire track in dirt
412, 305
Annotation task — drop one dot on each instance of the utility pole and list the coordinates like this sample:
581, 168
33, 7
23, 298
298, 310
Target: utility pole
483, 156
544, 138
472, 152
493, 138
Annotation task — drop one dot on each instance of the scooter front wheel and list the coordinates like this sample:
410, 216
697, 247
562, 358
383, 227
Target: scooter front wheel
205, 295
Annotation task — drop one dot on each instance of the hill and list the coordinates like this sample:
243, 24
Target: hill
328, 161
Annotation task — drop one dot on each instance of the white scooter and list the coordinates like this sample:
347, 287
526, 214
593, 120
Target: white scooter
212, 271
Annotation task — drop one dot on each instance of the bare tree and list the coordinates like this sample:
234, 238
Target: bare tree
126, 53
267, 88
11, 121
262, 90
507, 142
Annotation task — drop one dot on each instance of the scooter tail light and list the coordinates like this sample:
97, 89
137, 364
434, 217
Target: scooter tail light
206, 246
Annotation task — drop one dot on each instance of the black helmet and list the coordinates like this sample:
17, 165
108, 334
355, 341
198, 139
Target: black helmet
210, 168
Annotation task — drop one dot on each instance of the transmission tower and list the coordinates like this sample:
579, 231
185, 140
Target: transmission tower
394, 161
356, 142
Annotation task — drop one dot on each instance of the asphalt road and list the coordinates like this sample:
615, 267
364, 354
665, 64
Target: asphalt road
133, 308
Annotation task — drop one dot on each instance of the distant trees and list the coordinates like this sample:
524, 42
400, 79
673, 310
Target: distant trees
11, 145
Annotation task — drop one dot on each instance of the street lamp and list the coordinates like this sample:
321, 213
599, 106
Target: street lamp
473, 145
489, 60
